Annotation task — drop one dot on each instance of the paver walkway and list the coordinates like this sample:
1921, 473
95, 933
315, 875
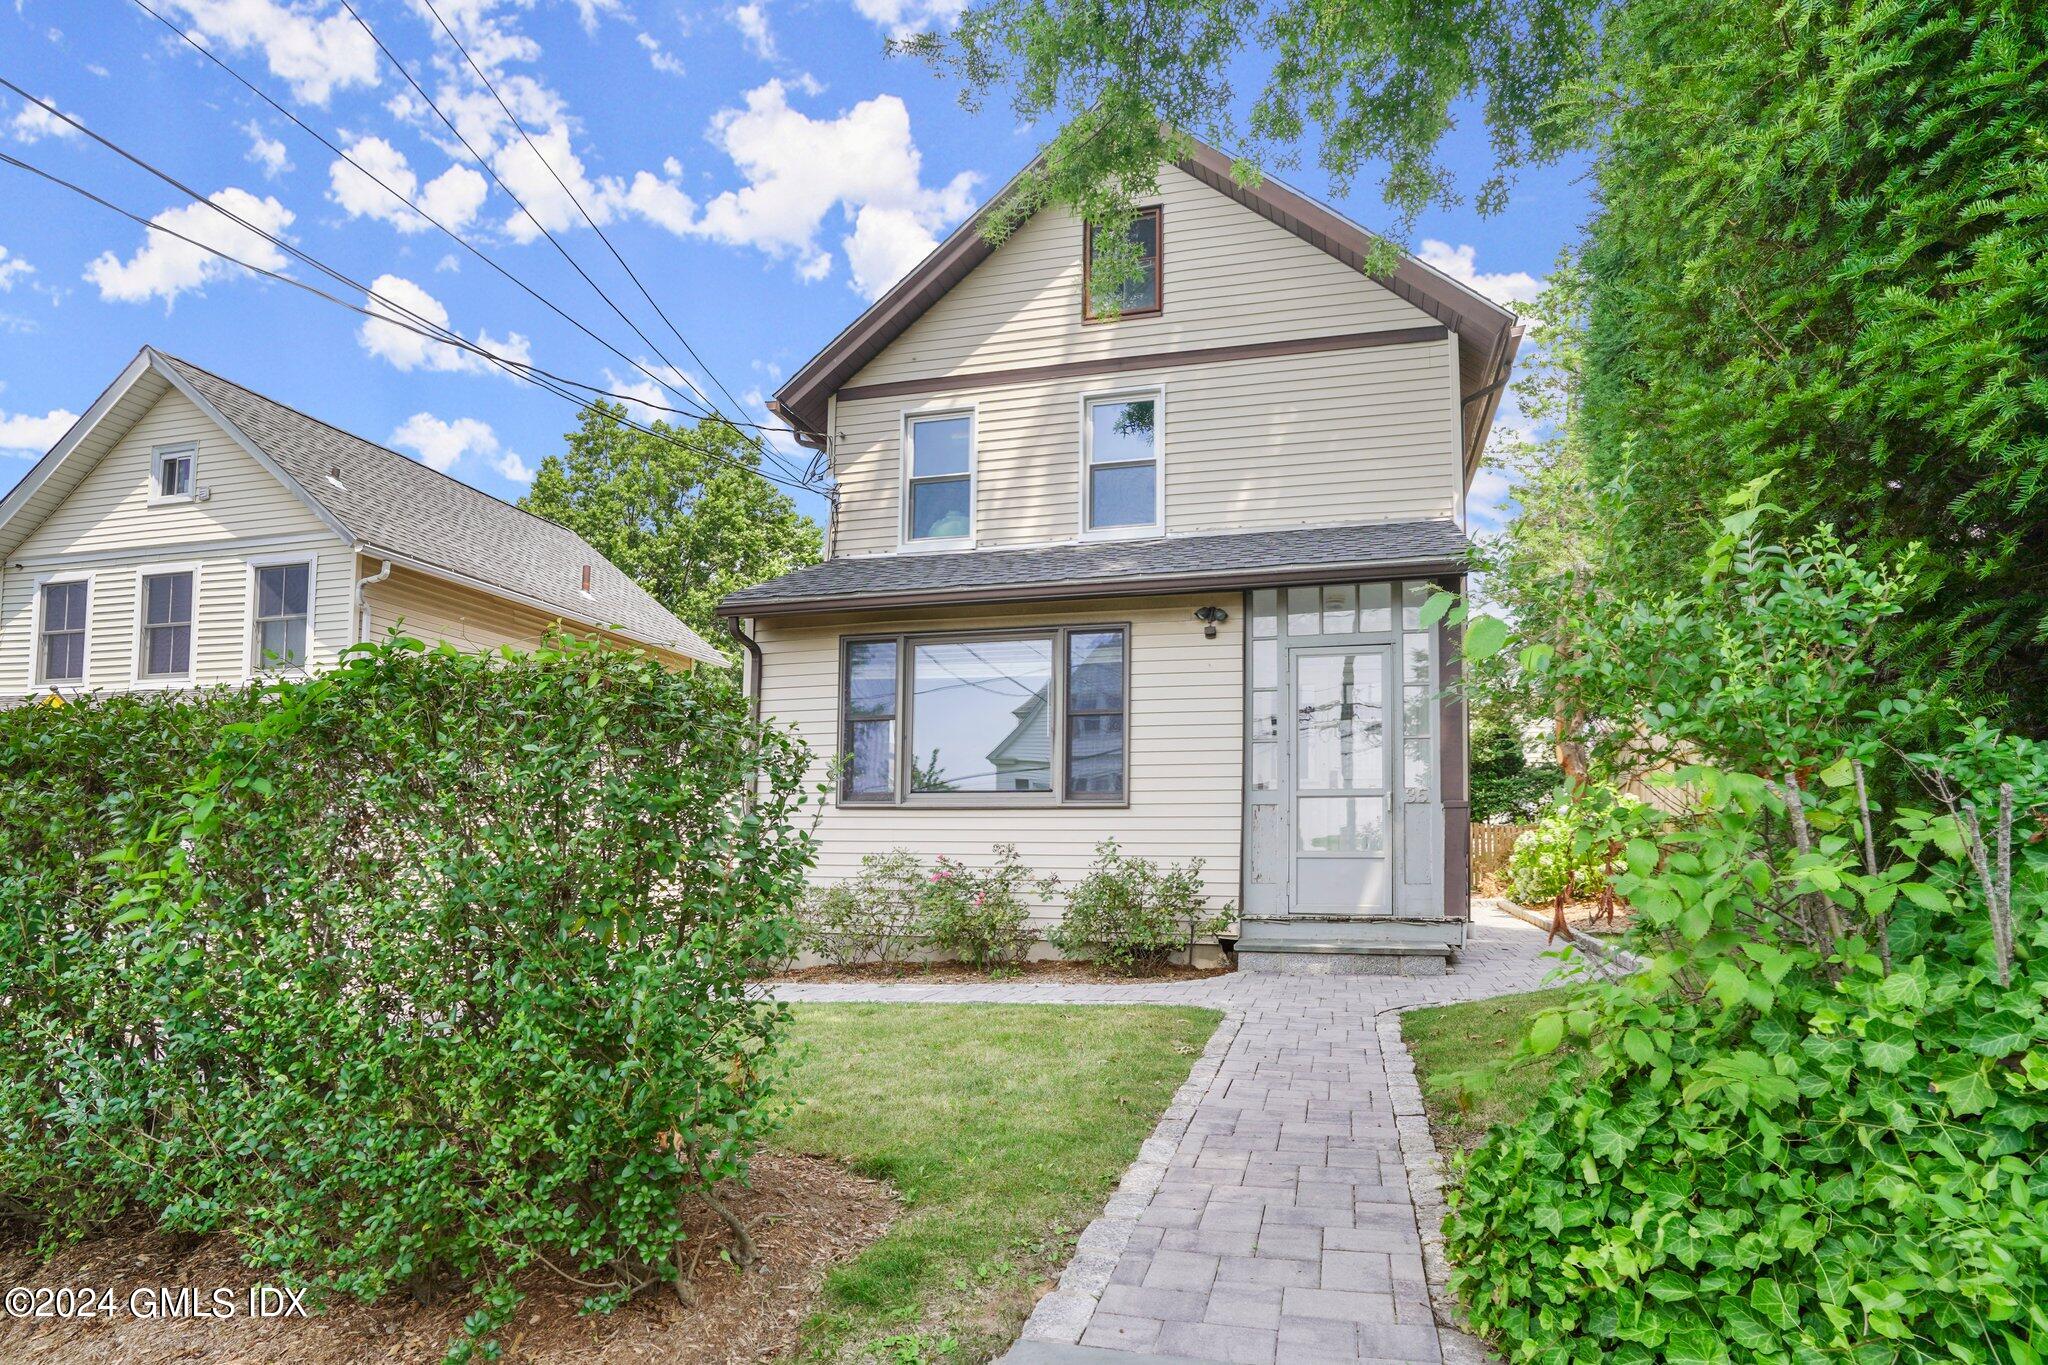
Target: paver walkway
1272, 1217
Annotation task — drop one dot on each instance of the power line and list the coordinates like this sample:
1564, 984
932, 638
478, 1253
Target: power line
539, 378
534, 218
457, 237
578, 202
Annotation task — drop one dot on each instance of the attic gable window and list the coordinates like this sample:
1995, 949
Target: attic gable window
1140, 297
171, 476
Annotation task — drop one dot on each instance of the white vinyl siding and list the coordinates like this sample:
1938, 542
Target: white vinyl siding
1185, 760
1331, 438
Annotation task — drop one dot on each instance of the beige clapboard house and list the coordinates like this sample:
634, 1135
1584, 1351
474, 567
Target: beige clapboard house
1157, 576
187, 532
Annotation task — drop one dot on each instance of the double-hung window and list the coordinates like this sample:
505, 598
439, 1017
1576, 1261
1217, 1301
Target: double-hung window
1120, 452
171, 475
1032, 717
60, 646
938, 493
166, 644
282, 592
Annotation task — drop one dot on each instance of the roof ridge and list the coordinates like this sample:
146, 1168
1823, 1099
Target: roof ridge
375, 445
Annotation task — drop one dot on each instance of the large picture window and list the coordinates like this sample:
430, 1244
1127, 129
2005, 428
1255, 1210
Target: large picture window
1034, 717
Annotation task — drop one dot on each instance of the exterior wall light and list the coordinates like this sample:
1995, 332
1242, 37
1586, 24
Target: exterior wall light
1211, 617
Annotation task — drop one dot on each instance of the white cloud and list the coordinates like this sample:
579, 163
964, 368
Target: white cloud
12, 268
798, 169
441, 445
662, 203
513, 469
664, 61
452, 198
21, 434
266, 151
165, 267
314, 48
394, 296
1461, 264
751, 19
552, 189
646, 400
35, 122
902, 18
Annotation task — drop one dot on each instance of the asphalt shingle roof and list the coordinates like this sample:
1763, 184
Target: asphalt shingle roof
1103, 568
392, 503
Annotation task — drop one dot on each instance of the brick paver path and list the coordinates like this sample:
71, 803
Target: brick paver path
1272, 1217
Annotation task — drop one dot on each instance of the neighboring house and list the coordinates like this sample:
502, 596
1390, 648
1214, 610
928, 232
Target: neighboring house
1158, 576
187, 532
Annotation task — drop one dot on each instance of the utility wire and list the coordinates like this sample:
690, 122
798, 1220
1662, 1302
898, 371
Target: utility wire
574, 199
541, 379
453, 235
578, 202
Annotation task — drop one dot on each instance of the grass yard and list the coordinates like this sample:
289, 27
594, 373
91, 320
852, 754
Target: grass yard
1002, 1127
1465, 1060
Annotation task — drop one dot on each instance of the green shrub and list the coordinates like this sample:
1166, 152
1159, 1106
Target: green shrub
876, 915
77, 780
1813, 1128
982, 918
1566, 852
1130, 914
439, 966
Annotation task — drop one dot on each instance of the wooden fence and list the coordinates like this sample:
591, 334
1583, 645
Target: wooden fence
1491, 845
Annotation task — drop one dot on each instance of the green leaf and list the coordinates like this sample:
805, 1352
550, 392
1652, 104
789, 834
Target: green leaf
1546, 1033
1839, 773
1433, 610
1968, 1093
1887, 1047
1777, 1305
1484, 637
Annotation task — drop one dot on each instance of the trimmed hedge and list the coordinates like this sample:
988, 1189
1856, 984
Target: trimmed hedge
412, 975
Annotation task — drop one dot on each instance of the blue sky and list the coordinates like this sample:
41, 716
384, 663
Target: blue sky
764, 167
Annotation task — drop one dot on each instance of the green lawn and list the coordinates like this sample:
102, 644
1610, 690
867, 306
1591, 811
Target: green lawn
1002, 1127
1465, 1060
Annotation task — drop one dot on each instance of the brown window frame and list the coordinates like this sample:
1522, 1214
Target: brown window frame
1157, 213
904, 719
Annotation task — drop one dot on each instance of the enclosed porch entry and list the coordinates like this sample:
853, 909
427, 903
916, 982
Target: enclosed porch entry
1355, 801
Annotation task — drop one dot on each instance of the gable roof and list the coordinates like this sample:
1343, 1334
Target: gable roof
1488, 334
383, 504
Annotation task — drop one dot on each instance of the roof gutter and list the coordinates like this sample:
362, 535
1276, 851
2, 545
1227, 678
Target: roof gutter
1068, 590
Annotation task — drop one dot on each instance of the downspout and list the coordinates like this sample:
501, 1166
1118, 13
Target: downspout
362, 609
751, 677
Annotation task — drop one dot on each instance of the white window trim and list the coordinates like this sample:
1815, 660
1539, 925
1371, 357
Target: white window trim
35, 636
251, 665
187, 451
1157, 526
137, 679
929, 544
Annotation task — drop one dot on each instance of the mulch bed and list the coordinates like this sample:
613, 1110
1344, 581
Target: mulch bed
804, 1214
1052, 970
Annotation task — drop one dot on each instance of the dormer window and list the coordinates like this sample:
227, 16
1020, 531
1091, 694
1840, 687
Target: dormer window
171, 477
1139, 297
